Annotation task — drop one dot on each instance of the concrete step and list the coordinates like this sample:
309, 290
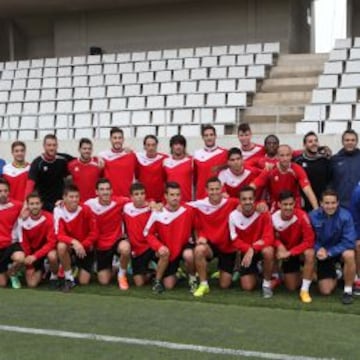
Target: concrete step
282, 98
281, 114
302, 59
290, 84
291, 71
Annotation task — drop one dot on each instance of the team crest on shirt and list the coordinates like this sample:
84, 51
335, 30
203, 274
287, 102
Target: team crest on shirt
304, 165
276, 178
45, 168
76, 168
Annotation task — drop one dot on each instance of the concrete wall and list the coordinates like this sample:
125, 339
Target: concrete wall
353, 25
173, 25
35, 147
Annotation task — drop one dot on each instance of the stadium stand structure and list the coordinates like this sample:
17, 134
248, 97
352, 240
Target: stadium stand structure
154, 92
334, 103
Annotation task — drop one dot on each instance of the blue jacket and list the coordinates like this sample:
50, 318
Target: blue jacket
345, 168
355, 209
2, 164
335, 233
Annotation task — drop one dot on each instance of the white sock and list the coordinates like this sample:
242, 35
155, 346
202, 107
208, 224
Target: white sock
357, 277
68, 275
348, 289
305, 285
275, 275
122, 272
192, 278
204, 283
266, 283
53, 276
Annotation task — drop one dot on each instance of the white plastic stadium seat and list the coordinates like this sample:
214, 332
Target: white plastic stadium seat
226, 85
99, 105
136, 103
190, 130
203, 115
350, 80
182, 116
175, 101
264, 59
346, 95
273, 47
322, 96
168, 88
180, 75
315, 112
195, 100
186, 52
26, 135
191, 63
335, 127
64, 94
237, 99
203, 51
227, 60
117, 104
123, 57
142, 131
245, 59
157, 65
247, 85
340, 112
256, 71
343, 43
97, 92
253, 48
167, 131
161, 116
357, 112
354, 54
146, 77
216, 99
188, 87
207, 86
84, 133
140, 118
236, 72
154, 55
328, 81
82, 120
150, 89
236, 49
209, 61
303, 127
353, 66
121, 118
198, 74
30, 108
169, 54
81, 105
225, 116
219, 50
47, 107
46, 121
218, 73
333, 67
338, 55
28, 122
174, 64
142, 66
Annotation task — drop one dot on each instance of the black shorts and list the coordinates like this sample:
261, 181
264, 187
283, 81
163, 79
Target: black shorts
5, 256
291, 265
326, 269
226, 261
253, 268
172, 267
86, 263
140, 263
38, 265
104, 258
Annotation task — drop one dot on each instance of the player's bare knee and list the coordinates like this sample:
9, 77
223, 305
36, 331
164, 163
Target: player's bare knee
62, 248
268, 252
18, 257
200, 251
52, 256
124, 248
348, 256
188, 255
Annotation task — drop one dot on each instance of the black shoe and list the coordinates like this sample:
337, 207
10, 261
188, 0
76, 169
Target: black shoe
347, 299
69, 284
158, 287
54, 284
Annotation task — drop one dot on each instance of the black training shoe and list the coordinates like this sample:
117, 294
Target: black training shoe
158, 287
347, 299
69, 284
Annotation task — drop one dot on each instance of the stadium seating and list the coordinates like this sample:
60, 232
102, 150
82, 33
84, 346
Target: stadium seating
173, 89
334, 105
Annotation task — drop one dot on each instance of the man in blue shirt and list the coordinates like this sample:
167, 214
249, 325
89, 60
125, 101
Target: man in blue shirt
2, 164
334, 242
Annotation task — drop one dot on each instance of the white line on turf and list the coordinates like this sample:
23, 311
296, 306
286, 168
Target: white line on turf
160, 344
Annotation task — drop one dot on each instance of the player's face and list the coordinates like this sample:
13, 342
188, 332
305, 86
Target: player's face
4, 194
271, 147
209, 138
178, 149
85, 151
287, 207
117, 141
18, 154
244, 137
34, 205
150, 147
247, 202
214, 191
284, 156
50, 147
330, 204
138, 197
235, 163
349, 142
312, 144
72, 200
173, 197
104, 192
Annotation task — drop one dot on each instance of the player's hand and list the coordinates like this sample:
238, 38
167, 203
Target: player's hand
247, 259
153, 205
322, 254
163, 251
29, 260
59, 203
261, 207
79, 249
259, 243
201, 241
101, 163
225, 195
282, 253
268, 166
25, 212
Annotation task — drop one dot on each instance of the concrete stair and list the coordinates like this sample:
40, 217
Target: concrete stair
280, 102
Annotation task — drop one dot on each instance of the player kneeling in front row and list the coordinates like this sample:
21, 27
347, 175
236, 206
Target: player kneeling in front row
213, 237
294, 239
334, 242
252, 234
11, 254
37, 237
108, 211
76, 231
168, 233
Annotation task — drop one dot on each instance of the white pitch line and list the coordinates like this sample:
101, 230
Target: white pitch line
155, 343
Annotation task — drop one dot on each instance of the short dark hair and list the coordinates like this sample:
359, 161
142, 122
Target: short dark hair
17, 143
33, 195
244, 127
329, 192
49, 137
234, 151
115, 130
70, 188
4, 182
102, 181
310, 133
153, 137
271, 136
178, 139
247, 188
286, 194
85, 141
136, 186
207, 127
349, 132
171, 185
212, 180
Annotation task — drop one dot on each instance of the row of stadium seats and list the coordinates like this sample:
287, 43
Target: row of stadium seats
334, 103
166, 54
